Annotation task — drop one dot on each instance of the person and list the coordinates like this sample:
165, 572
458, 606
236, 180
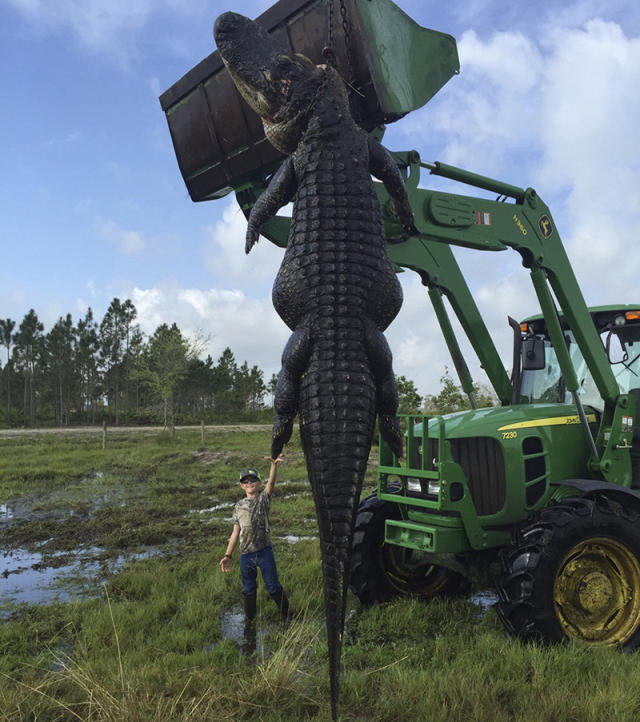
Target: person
251, 530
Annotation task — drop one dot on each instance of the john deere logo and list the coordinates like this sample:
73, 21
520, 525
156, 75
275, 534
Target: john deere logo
545, 225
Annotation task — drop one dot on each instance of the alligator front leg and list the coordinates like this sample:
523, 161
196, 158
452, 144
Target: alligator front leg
294, 361
278, 193
384, 168
380, 362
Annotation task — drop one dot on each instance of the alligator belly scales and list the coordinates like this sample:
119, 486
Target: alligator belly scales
336, 289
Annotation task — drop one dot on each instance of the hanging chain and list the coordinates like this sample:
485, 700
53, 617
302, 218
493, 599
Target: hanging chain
328, 52
347, 40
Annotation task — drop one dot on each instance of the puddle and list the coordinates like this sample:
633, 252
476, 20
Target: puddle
294, 539
33, 578
63, 503
232, 627
217, 507
61, 657
486, 598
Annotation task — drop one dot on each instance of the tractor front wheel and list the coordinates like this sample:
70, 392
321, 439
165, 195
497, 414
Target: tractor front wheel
573, 572
381, 572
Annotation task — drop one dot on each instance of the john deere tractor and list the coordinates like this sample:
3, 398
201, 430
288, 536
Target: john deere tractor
548, 481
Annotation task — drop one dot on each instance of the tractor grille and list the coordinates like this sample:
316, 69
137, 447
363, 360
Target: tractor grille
483, 465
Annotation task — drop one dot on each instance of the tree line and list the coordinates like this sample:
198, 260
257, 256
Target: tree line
89, 372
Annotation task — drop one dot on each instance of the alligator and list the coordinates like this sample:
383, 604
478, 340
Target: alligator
336, 288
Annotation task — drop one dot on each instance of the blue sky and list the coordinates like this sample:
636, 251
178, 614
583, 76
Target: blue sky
93, 205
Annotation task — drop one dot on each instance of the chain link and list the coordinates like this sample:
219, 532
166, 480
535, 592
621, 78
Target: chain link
328, 52
347, 40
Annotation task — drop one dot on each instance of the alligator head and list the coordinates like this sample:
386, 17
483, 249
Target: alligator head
277, 85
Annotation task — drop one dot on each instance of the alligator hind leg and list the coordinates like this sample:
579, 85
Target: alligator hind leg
294, 361
386, 390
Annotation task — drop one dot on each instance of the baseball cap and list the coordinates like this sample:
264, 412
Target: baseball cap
249, 474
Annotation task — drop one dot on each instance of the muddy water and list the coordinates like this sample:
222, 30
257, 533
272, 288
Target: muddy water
485, 598
249, 641
37, 573
36, 578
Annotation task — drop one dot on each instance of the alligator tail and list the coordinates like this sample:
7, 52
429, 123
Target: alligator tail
337, 405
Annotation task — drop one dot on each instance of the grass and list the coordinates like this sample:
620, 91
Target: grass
148, 644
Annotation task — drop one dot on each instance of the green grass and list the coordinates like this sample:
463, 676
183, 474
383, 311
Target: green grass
149, 644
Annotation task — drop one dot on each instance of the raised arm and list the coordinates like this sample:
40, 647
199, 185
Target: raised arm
273, 472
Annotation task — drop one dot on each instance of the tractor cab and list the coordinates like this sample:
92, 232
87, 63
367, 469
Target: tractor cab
541, 378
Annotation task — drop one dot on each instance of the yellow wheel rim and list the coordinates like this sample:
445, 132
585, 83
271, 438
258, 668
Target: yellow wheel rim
408, 573
596, 592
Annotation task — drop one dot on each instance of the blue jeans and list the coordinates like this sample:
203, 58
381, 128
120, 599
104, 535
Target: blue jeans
249, 564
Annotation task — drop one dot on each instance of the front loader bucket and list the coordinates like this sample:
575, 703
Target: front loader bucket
397, 67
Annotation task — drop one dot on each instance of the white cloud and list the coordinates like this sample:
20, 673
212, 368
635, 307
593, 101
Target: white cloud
249, 326
559, 114
127, 241
97, 25
224, 252
69, 139
113, 27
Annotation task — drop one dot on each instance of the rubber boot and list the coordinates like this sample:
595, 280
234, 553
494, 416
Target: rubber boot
250, 606
280, 598
249, 638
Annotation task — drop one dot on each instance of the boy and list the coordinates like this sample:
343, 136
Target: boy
251, 527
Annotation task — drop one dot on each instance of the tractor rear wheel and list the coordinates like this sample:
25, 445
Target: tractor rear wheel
381, 572
573, 572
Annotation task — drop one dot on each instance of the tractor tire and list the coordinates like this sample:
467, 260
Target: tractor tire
572, 572
381, 572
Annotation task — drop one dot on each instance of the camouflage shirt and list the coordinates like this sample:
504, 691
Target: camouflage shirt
253, 517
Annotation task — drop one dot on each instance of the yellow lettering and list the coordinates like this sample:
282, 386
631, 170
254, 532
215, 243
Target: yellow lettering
520, 224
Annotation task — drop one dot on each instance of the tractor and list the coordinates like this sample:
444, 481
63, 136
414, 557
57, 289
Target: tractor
544, 487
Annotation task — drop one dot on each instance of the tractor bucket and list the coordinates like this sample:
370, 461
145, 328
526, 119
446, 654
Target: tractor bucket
397, 66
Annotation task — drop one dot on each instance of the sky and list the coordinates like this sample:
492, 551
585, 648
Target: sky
93, 206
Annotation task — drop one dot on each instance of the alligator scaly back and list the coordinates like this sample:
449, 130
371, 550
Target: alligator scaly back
335, 289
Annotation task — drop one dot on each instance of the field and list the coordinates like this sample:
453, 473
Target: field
141, 625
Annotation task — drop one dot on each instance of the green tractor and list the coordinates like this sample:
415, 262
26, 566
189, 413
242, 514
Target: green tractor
548, 482
520, 483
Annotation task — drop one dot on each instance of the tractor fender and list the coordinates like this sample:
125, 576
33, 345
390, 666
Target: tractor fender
591, 487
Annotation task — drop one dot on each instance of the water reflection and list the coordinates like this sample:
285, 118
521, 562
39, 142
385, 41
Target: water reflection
249, 636
35, 578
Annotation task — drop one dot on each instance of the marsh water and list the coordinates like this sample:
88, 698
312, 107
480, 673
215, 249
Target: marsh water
40, 569
37, 570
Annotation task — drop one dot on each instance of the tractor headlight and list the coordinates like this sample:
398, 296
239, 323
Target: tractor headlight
424, 488
434, 487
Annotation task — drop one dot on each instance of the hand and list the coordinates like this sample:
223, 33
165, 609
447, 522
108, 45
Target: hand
279, 460
225, 564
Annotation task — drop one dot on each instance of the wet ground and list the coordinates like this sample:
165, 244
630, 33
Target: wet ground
42, 572
41, 578
40, 559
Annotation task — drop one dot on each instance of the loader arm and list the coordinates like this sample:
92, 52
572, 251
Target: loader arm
523, 223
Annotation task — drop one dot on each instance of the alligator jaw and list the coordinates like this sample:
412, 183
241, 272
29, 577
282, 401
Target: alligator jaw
248, 53
276, 84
